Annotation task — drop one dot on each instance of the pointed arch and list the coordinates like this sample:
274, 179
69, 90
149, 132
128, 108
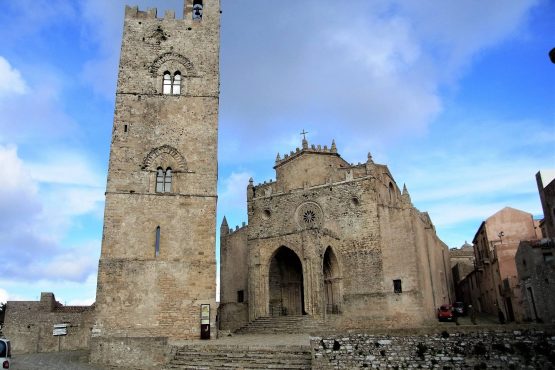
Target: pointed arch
391, 191
285, 283
179, 164
332, 282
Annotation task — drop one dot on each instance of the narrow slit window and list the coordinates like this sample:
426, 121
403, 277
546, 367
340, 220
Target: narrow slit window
176, 86
397, 288
157, 243
240, 296
167, 83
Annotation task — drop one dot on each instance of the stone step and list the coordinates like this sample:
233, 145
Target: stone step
240, 357
281, 324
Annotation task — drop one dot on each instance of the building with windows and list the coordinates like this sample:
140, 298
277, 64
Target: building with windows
462, 264
495, 246
337, 242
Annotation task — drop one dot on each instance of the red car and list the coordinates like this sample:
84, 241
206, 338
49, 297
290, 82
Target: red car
445, 313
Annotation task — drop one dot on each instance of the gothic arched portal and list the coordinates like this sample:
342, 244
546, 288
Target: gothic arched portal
286, 284
332, 280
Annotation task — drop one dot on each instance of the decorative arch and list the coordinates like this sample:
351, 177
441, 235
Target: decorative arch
332, 282
171, 56
391, 192
165, 150
285, 283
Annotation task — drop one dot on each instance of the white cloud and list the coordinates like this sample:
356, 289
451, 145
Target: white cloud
35, 217
3, 295
65, 168
11, 81
15, 178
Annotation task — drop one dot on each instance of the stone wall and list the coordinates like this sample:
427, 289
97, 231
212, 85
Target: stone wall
158, 263
233, 278
125, 352
29, 325
535, 261
513, 349
320, 205
546, 189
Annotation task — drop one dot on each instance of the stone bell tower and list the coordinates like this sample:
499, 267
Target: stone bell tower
157, 265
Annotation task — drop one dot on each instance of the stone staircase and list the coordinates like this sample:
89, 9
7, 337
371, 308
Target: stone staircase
240, 357
281, 325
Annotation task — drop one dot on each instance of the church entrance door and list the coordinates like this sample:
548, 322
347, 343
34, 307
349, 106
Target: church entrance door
286, 284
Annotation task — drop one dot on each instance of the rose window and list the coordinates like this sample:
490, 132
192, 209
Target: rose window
309, 215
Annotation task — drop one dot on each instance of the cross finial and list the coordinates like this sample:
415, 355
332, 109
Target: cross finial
304, 134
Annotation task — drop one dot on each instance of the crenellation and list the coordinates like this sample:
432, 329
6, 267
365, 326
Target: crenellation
169, 14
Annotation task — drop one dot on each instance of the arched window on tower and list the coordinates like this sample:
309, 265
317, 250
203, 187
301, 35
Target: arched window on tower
171, 85
176, 86
197, 10
167, 83
159, 180
164, 180
168, 181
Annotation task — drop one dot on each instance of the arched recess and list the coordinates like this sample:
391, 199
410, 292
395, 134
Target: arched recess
167, 154
332, 282
285, 282
391, 191
176, 60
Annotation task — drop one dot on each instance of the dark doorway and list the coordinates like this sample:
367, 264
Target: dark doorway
331, 282
510, 312
286, 284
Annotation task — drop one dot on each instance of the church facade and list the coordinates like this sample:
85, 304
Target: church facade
336, 241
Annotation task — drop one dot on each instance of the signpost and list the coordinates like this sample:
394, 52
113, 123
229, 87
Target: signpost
59, 331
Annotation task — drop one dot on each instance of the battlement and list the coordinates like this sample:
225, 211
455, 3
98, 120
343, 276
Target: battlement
192, 10
306, 149
134, 12
231, 231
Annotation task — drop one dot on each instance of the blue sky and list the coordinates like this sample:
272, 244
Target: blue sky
457, 98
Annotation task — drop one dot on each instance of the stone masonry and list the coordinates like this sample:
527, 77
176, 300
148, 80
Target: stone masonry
30, 325
157, 264
484, 349
334, 241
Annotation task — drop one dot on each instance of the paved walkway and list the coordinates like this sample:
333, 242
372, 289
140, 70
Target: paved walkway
74, 360
77, 360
